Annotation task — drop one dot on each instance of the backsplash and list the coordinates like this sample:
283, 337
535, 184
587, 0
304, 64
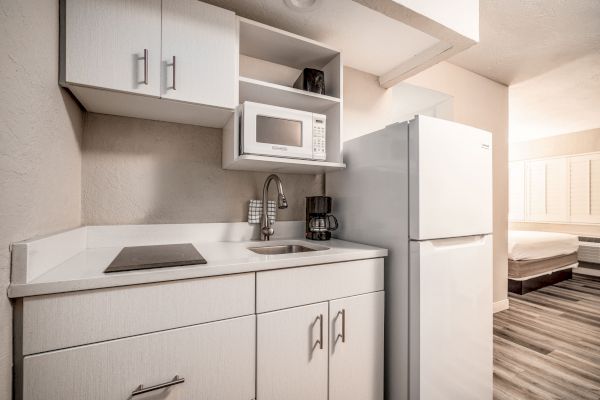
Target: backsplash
138, 171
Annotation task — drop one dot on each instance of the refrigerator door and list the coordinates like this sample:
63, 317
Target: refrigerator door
451, 319
450, 179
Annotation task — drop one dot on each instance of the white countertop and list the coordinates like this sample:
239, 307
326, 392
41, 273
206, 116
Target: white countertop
84, 269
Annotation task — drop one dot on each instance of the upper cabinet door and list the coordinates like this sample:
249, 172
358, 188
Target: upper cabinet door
356, 347
291, 351
199, 53
112, 44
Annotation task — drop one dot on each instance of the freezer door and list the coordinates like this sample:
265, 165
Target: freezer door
450, 179
451, 319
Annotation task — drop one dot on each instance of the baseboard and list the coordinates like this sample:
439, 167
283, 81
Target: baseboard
500, 305
587, 271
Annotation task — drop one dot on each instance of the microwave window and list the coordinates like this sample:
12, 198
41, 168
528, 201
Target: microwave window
278, 131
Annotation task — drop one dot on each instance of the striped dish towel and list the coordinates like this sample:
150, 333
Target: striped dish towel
255, 211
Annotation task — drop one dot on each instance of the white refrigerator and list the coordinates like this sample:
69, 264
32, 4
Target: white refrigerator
423, 189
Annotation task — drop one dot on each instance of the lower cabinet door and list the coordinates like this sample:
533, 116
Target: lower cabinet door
292, 354
356, 347
210, 361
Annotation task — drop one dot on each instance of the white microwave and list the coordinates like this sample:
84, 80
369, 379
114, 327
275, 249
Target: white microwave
281, 132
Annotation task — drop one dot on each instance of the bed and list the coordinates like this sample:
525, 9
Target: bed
538, 259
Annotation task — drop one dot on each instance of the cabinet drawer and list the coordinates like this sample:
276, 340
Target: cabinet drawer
297, 286
71, 319
217, 361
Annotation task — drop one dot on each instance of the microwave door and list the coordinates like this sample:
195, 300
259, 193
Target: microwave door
275, 134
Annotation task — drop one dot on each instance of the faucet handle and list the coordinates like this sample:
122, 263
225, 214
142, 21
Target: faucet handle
268, 231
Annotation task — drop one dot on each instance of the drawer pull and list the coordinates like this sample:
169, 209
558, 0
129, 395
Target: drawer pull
141, 389
320, 341
145, 66
174, 66
343, 334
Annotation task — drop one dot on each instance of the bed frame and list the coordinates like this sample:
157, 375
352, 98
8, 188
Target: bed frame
526, 285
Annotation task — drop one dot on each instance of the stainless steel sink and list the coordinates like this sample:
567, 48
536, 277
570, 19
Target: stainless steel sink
284, 249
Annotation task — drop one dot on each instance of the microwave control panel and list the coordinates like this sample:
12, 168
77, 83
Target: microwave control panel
319, 134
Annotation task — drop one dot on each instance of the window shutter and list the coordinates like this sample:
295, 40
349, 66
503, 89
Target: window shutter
579, 185
594, 187
556, 190
536, 193
516, 189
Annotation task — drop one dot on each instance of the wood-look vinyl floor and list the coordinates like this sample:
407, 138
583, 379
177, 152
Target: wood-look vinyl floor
547, 344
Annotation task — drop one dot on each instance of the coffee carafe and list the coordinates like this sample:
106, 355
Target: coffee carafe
319, 221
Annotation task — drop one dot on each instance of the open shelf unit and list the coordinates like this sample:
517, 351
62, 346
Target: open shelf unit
284, 96
270, 61
251, 162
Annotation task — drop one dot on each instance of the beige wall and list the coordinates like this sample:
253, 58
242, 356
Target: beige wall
40, 134
561, 145
476, 101
138, 171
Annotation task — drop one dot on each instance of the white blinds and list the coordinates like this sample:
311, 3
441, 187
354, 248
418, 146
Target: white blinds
556, 190
536, 193
595, 189
516, 189
559, 189
579, 189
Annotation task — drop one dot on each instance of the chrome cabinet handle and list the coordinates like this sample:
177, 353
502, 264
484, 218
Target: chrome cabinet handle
343, 334
320, 341
141, 389
174, 68
145, 66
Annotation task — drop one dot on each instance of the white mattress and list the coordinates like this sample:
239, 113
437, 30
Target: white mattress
530, 245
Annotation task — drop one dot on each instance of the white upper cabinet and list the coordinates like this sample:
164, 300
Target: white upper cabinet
169, 60
199, 53
112, 44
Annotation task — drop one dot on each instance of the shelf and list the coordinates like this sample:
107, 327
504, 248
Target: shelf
248, 162
275, 45
284, 96
273, 60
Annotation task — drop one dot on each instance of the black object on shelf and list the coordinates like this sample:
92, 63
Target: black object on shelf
311, 80
160, 256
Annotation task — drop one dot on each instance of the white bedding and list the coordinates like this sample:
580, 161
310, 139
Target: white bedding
530, 245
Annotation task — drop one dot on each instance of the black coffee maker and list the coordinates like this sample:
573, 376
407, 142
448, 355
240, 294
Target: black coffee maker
319, 221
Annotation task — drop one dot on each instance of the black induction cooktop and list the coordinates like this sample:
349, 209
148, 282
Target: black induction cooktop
159, 256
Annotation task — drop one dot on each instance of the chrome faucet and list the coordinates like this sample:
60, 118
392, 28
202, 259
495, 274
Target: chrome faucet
266, 230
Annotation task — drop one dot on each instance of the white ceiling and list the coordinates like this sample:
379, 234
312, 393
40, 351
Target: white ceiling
370, 41
563, 100
521, 39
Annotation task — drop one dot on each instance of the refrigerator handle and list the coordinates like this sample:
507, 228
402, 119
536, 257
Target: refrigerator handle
463, 241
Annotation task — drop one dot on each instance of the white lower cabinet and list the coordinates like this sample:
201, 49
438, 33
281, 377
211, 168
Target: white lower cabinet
356, 347
292, 354
216, 360
317, 335
331, 350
